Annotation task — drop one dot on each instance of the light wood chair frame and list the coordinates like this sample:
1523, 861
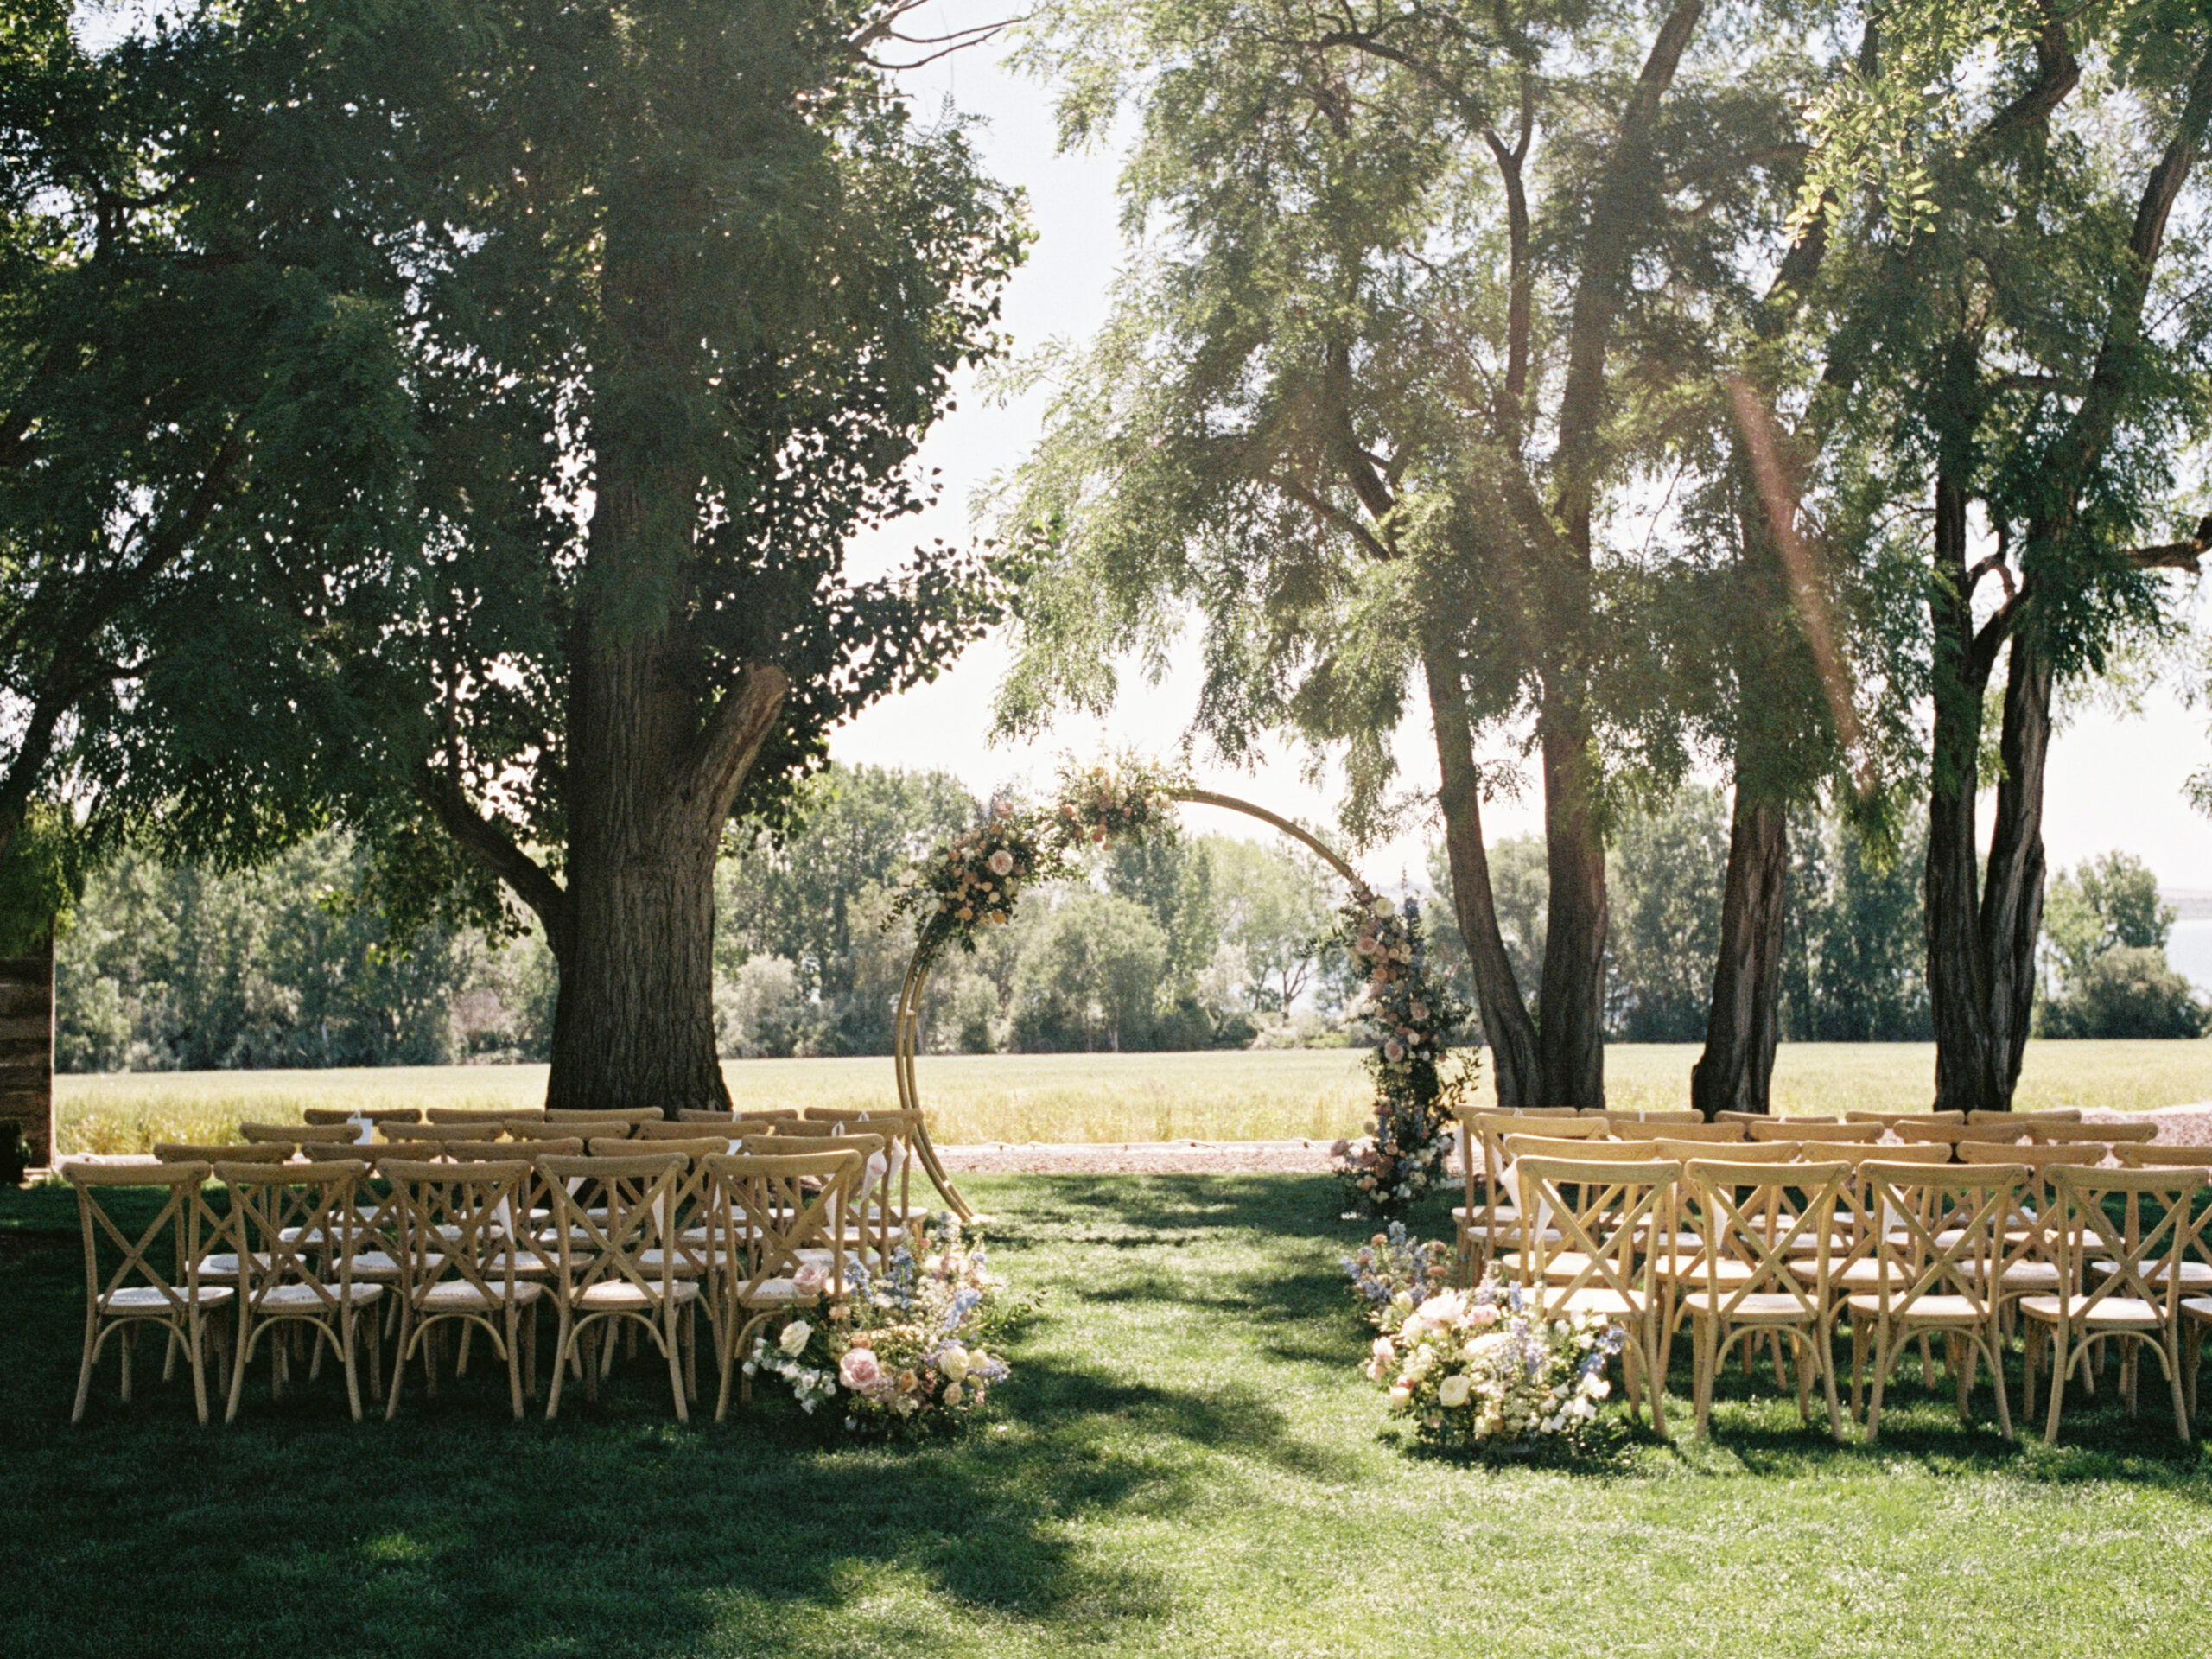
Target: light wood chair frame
457, 1225
1764, 1217
600, 1254
282, 1219
1588, 1254
1933, 1232
135, 1292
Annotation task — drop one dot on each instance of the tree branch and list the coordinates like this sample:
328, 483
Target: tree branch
730, 740
491, 846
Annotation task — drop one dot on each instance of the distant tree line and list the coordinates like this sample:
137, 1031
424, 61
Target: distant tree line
1180, 942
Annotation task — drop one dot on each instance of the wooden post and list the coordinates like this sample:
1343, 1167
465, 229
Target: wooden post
27, 1049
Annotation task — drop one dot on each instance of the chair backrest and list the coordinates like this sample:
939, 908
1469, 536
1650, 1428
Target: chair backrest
2111, 1133
486, 1116
1937, 1230
284, 1219
1760, 1215
607, 1119
377, 1115
555, 1146
694, 1145
117, 1260
2122, 1229
1611, 1152
1862, 1154
1890, 1119
454, 1222
768, 1207
1750, 1151
637, 1198
806, 1128
2048, 1114
1806, 1130
1696, 1128
1599, 1211
1668, 1116
433, 1135
186, 1152
721, 1128
295, 1135
786, 1113
2153, 1157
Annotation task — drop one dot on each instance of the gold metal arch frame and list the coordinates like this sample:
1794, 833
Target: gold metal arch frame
908, 1025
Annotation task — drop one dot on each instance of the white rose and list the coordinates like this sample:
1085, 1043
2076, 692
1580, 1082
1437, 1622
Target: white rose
1453, 1391
952, 1363
796, 1336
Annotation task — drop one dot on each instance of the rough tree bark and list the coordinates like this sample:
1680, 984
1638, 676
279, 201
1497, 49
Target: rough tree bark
1742, 1026
1512, 1034
1982, 934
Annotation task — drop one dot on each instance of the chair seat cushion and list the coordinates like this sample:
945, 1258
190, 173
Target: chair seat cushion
455, 1294
2120, 1311
1923, 1310
138, 1302
619, 1293
1761, 1307
310, 1299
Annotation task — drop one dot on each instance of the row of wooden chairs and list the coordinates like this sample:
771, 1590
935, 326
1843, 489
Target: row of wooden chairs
1900, 1241
609, 1232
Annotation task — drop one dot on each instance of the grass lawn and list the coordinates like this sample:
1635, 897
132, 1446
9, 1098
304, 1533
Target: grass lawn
1238, 1096
1186, 1463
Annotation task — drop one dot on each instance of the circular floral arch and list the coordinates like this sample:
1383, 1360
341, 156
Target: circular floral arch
975, 879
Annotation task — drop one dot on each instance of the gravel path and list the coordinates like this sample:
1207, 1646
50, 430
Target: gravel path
2178, 1126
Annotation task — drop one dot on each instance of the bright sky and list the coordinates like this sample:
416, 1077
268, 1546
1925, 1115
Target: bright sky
2113, 782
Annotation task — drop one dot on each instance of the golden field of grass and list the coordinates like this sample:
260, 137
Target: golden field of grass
1233, 1096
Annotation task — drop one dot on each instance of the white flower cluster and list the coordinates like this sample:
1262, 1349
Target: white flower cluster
1488, 1367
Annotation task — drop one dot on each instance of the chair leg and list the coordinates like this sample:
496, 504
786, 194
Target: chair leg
2061, 1362
672, 1343
399, 1360
1824, 1361
514, 1359
562, 1339
346, 1319
240, 1344
84, 1364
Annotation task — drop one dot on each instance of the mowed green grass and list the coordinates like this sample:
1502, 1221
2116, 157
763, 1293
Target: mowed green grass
1186, 1462
1233, 1096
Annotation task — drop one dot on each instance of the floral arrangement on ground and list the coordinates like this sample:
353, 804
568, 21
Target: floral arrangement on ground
914, 1346
1483, 1370
1412, 1017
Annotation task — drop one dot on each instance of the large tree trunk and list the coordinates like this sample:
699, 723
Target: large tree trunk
2011, 897
634, 1025
1572, 1035
1506, 1025
1735, 1071
1958, 965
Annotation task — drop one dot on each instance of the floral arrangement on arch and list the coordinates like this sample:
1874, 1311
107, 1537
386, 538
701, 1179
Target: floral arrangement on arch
904, 1349
1487, 1368
1403, 1154
975, 879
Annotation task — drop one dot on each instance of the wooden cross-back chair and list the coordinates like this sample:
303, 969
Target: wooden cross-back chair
293, 1228
438, 1134
1760, 1221
187, 1152
457, 1223
2121, 1276
1691, 1128
145, 1276
1589, 1221
2048, 1115
901, 1129
601, 1285
1934, 1234
1490, 1222
781, 1220
607, 1122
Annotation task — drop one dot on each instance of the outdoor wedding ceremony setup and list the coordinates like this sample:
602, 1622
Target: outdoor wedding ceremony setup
1225, 828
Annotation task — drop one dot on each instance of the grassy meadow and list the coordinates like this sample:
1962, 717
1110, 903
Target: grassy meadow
1185, 1461
1232, 1095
